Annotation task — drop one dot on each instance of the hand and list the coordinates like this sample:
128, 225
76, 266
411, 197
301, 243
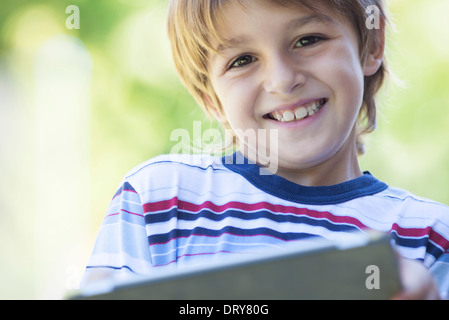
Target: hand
417, 282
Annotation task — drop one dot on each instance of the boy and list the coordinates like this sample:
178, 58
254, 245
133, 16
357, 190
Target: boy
307, 71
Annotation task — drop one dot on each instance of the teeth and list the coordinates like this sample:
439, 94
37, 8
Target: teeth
300, 113
288, 116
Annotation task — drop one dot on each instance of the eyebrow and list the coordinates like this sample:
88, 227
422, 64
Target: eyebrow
310, 19
234, 42
293, 24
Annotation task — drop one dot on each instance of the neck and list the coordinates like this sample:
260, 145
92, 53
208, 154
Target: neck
340, 167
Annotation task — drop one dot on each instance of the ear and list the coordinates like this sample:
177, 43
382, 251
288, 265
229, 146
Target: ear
375, 56
212, 108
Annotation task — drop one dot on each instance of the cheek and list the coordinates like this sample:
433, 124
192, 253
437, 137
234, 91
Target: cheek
351, 88
238, 98
346, 80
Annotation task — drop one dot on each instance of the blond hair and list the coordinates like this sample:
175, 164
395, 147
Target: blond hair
192, 29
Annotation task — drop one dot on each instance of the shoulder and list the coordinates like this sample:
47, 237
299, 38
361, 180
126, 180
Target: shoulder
417, 217
176, 163
397, 197
420, 224
413, 210
176, 170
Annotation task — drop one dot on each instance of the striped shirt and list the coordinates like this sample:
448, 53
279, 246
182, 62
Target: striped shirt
185, 210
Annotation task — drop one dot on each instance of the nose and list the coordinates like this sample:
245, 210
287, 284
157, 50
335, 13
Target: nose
283, 74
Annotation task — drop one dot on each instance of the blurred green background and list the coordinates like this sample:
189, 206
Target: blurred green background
81, 107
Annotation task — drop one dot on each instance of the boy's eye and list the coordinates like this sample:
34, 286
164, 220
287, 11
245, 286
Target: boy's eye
241, 61
308, 41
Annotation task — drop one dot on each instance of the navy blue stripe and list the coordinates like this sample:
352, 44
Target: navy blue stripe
243, 215
434, 250
181, 233
408, 242
125, 187
417, 243
111, 267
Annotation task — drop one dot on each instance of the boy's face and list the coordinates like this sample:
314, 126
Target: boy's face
291, 70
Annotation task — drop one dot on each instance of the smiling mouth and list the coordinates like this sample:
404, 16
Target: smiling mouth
298, 113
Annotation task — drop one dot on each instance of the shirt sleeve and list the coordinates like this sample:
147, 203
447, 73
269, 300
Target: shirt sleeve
440, 271
121, 248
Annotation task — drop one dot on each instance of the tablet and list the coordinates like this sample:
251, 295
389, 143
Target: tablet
360, 267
